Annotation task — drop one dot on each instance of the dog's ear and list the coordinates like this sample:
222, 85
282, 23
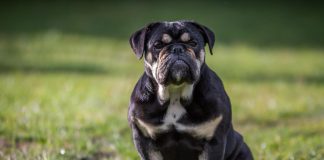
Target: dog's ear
138, 39
208, 35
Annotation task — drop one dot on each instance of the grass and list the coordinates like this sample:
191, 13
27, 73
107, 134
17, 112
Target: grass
64, 88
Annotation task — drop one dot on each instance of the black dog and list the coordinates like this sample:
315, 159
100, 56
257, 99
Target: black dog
179, 109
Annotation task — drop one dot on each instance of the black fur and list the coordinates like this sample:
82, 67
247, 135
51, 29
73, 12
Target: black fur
209, 100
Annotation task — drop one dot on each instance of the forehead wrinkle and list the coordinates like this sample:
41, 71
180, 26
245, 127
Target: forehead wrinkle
174, 24
174, 28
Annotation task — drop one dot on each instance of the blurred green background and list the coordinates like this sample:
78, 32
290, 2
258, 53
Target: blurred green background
67, 71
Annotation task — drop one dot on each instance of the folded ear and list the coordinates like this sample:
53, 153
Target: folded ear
138, 40
208, 35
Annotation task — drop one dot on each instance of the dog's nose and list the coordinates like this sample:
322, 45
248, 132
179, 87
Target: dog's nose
179, 72
177, 49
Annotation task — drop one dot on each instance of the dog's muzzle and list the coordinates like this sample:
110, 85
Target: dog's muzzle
176, 66
179, 72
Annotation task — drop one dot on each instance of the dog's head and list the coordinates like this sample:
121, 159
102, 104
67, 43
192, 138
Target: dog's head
173, 51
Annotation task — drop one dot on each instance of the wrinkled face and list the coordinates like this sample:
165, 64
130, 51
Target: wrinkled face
174, 52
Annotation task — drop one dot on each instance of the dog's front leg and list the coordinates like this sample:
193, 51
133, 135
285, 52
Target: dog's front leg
144, 146
214, 150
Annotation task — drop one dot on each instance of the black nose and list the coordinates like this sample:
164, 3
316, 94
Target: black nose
177, 49
179, 72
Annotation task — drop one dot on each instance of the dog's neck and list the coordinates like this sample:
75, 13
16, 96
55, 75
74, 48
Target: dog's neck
183, 91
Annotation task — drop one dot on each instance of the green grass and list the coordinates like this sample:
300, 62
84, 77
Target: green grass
64, 88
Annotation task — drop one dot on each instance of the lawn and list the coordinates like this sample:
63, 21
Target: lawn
67, 71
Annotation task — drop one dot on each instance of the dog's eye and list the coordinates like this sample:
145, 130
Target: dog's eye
192, 43
158, 45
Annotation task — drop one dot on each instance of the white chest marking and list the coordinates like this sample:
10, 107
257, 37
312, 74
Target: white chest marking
202, 130
203, 156
173, 114
155, 155
175, 111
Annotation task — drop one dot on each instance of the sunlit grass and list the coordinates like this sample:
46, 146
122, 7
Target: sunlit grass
67, 71
66, 97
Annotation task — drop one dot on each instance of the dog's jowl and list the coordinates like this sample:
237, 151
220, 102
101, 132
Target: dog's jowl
179, 109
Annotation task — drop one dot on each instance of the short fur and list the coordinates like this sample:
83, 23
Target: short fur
179, 109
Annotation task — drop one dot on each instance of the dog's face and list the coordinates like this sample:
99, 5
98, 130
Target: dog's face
173, 51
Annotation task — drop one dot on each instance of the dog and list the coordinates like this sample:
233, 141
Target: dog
179, 109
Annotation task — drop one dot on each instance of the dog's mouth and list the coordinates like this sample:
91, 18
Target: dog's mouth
176, 69
179, 72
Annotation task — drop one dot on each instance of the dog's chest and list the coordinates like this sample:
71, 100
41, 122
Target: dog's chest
174, 112
170, 122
